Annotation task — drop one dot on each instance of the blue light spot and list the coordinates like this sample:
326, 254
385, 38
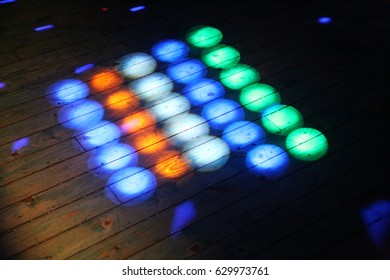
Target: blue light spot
44, 27
7, 1
267, 161
325, 20
243, 135
203, 91
83, 68
137, 65
170, 50
184, 214
20, 144
222, 112
2, 85
131, 186
187, 71
98, 135
67, 91
81, 114
137, 8
377, 219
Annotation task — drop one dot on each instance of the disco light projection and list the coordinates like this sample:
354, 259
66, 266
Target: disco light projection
239, 76
19, 144
203, 91
184, 214
2, 85
184, 128
170, 50
152, 87
112, 157
281, 119
206, 153
267, 161
83, 68
100, 134
137, 9
220, 113
258, 97
306, 144
150, 142
81, 114
105, 80
376, 217
171, 164
187, 71
325, 20
7, 1
220, 56
67, 91
241, 136
137, 121
137, 65
44, 27
204, 36
122, 100
130, 186
169, 106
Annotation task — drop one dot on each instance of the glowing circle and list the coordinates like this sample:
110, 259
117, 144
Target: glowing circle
268, 161
152, 87
324, 20
170, 50
281, 119
186, 71
171, 164
113, 157
239, 76
203, 91
243, 135
204, 36
169, 106
122, 100
130, 186
258, 97
220, 56
105, 80
81, 114
182, 129
98, 135
67, 91
306, 144
206, 153
150, 141
137, 65
221, 112
137, 121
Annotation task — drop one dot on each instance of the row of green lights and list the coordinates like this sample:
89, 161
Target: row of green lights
302, 143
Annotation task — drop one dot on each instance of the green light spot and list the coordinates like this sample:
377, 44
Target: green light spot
239, 76
204, 37
220, 56
281, 119
306, 144
258, 97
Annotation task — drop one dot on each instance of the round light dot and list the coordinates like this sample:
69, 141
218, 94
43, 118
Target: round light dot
204, 36
239, 76
221, 112
281, 119
169, 106
268, 161
203, 91
306, 144
113, 157
243, 135
67, 91
137, 65
325, 20
258, 97
182, 129
100, 134
187, 71
170, 50
152, 87
207, 153
220, 56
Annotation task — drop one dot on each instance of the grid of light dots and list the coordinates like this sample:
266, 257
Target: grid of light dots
129, 184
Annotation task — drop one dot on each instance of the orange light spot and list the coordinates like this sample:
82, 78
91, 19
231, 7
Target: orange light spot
122, 100
137, 121
171, 164
150, 142
105, 80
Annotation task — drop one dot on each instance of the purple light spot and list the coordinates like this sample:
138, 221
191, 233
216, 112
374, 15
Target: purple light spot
7, 1
325, 20
44, 27
20, 144
137, 8
2, 85
184, 214
83, 68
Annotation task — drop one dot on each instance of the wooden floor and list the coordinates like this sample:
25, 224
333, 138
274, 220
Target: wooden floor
336, 75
